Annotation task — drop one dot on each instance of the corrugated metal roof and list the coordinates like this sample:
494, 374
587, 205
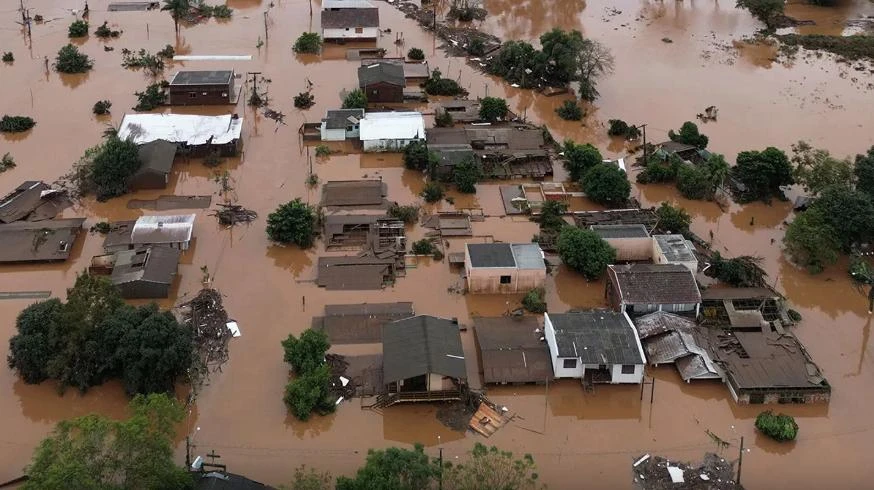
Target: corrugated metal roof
360, 323
390, 73
163, 229
25, 241
350, 17
392, 125
422, 345
511, 350
33, 200
156, 156
655, 284
490, 255
620, 231
180, 128
340, 118
152, 264
596, 337
675, 248
528, 256
669, 338
353, 193
202, 77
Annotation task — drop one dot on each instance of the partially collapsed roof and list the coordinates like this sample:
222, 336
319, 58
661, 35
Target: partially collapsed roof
596, 337
163, 229
655, 284
33, 200
422, 345
180, 128
669, 338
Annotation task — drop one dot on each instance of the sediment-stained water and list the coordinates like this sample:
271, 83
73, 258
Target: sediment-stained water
578, 439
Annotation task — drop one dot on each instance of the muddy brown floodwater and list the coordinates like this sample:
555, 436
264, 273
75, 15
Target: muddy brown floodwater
578, 440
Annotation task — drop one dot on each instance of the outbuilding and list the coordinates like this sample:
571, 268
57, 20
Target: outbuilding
201, 87
504, 267
341, 124
631, 242
156, 162
146, 272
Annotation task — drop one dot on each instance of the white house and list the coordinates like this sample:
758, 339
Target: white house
341, 124
674, 249
595, 346
391, 131
349, 20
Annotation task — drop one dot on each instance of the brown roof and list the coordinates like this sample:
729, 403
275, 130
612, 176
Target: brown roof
657, 284
152, 264
341, 18
27, 201
353, 193
511, 350
119, 234
353, 273
361, 323
24, 241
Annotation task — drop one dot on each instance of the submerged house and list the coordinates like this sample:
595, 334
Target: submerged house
195, 136
595, 346
668, 338
631, 242
511, 350
341, 124
391, 131
674, 249
146, 272
201, 87
382, 83
33, 200
504, 267
423, 359
644, 288
173, 231
42, 241
344, 20
156, 162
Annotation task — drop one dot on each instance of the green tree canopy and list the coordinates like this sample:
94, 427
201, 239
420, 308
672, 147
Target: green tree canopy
693, 182
355, 99
762, 173
578, 159
864, 172
114, 163
850, 214
780, 427
30, 350
584, 251
437, 85
816, 169
70, 60
178, 10
306, 353
293, 222
550, 217
95, 452
492, 109
308, 42
672, 219
417, 156
811, 242
393, 469
310, 392
607, 184
492, 468
466, 174
768, 12
689, 135
416, 54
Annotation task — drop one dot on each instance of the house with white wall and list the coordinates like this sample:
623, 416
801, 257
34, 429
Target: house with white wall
344, 20
341, 124
643, 288
674, 249
391, 131
594, 346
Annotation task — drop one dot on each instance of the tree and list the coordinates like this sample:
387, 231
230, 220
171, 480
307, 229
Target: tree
492, 109
594, 61
437, 85
864, 172
689, 135
489, 467
466, 174
16, 124
113, 165
762, 173
70, 60
578, 159
849, 213
535, 301
550, 217
355, 99
816, 169
95, 452
308, 479
306, 353
562, 49
718, 169
768, 12
693, 182
308, 42
672, 219
607, 184
393, 469
811, 242
101, 107
418, 157
570, 111
310, 392
744, 271
31, 349
416, 54
292, 222
154, 96
432, 192
178, 10
584, 251
780, 427
79, 28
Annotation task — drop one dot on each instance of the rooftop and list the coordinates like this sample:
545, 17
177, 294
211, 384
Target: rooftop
646, 217
359, 323
153, 264
180, 128
421, 345
670, 338
353, 193
450, 155
163, 229
346, 4
353, 273
655, 284
620, 231
350, 17
33, 200
25, 241
515, 255
511, 350
392, 125
340, 118
156, 156
676, 248
390, 73
596, 337
202, 77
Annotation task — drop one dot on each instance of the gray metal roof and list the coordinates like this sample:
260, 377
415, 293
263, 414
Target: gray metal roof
422, 345
33, 200
350, 17
596, 337
655, 284
153, 264
675, 248
670, 338
528, 256
491, 255
340, 118
511, 350
659, 322
450, 155
381, 72
162, 229
620, 231
156, 156
202, 77
25, 241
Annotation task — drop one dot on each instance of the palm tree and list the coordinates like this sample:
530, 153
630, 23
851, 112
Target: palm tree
178, 9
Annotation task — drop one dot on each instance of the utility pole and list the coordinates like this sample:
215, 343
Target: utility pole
266, 35
740, 459
254, 80
441, 468
643, 126
187, 453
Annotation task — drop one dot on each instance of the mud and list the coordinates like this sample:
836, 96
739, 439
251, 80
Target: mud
574, 436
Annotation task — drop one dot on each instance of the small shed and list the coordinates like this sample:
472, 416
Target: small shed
382, 83
423, 355
341, 124
644, 288
674, 249
359, 22
511, 350
504, 267
156, 161
391, 131
144, 272
632, 242
201, 87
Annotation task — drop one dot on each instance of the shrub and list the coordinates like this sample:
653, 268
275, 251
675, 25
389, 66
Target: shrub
409, 214
7, 162
309, 393
423, 247
142, 59
443, 119
570, 111
492, 109
607, 184
693, 182
355, 99
476, 47
79, 28
417, 156
618, 127
466, 174
152, 97
101, 107
8, 57
304, 100
222, 11
437, 85
578, 159
780, 427
689, 135
672, 219
308, 42
292, 222
168, 52
416, 54
16, 124
584, 251
551, 213
70, 60
432, 192
323, 151
105, 32
102, 227
535, 301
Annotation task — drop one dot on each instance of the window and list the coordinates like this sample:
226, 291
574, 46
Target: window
192, 95
628, 369
359, 30
570, 364
506, 279
347, 28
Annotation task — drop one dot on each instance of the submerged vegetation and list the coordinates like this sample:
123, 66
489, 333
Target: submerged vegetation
859, 46
70, 60
16, 124
308, 43
155, 95
293, 223
780, 427
309, 390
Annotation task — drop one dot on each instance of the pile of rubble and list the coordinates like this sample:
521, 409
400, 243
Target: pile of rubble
657, 473
206, 317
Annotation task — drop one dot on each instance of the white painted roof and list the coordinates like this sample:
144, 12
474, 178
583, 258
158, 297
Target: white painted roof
347, 4
180, 128
392, 125
163, 229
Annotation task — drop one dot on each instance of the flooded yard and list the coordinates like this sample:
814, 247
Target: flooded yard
578, 439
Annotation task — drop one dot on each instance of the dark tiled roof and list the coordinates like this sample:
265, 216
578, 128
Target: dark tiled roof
381, 72
655, 284
342, 18
420, 345
156, 156
620, 231
511, 350
596, 337
339, 118
491, 255
226, 481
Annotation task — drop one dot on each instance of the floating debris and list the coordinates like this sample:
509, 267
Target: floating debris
231, 214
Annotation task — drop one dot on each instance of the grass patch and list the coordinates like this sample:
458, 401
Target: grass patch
850, 47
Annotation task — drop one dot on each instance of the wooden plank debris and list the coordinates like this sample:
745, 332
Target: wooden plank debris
486, 421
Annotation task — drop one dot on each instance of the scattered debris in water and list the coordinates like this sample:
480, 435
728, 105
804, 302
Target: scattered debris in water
657, 473
206, 317
231, 214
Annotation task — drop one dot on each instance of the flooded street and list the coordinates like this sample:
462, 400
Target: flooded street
578, 439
